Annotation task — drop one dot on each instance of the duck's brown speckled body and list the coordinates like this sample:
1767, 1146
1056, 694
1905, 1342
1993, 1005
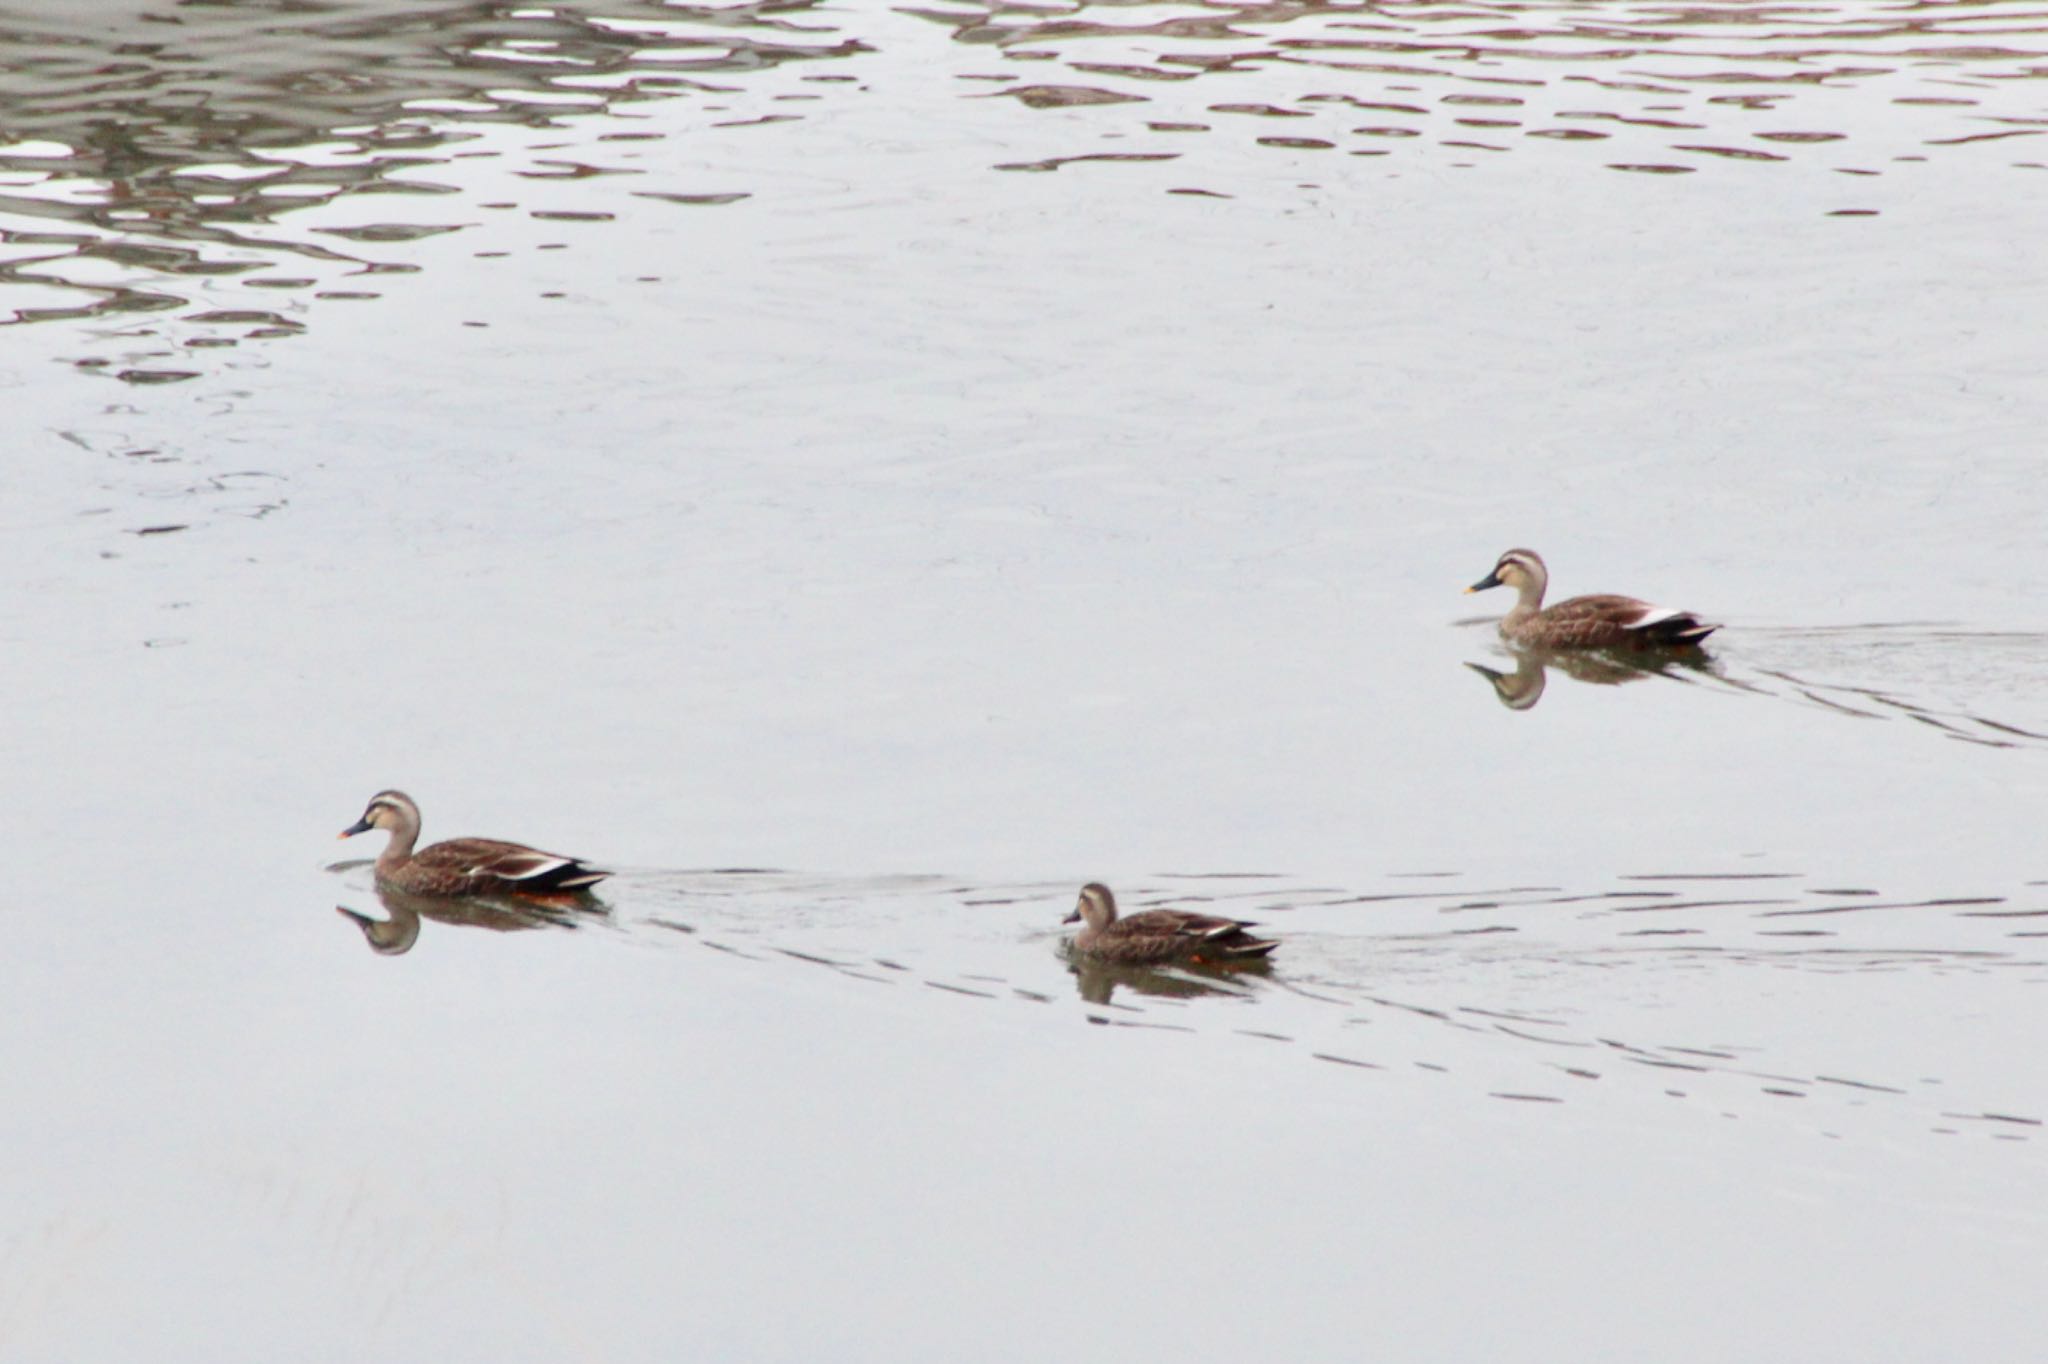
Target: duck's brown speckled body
464, 866
1155, 936
1601, 621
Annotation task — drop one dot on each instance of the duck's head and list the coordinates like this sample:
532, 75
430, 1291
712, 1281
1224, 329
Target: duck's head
1096, 905
1521, 569
391, 810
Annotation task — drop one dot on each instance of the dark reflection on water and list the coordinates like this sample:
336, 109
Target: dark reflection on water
146, 149
1656, 88
153, 153
1097, 981
1523, 688
395, 934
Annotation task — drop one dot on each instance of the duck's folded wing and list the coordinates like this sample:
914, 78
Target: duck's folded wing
1606, 618
1669, 623
1229, 936
1205, 927
532, 867
1609, 607
510, 862
524, 864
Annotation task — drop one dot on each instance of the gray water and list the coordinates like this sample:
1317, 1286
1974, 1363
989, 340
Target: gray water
862, 472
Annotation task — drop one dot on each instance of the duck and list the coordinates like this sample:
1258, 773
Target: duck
464, 866
1155, 936
1602, 621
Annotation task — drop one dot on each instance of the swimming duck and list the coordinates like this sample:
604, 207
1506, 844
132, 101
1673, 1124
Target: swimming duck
464, 866
1602, 621
1160, 935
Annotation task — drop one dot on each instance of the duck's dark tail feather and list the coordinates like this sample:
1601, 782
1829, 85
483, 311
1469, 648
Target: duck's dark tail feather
575, 876
1680, 629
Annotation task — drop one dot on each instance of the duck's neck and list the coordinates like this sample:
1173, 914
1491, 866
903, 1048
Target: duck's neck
1528, 601
398, 850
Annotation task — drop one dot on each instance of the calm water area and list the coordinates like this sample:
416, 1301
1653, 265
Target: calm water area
863, 470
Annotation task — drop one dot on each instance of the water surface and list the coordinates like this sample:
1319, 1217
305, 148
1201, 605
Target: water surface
862, 472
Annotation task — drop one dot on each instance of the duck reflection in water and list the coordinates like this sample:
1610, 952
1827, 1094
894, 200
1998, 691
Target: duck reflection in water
1523, 688
395, 933
1097, 980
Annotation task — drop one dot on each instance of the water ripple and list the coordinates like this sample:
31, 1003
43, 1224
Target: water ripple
148, 171
1520, 992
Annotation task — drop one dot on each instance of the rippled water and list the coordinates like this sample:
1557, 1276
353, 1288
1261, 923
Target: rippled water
949, 454
166, 165
1489, 985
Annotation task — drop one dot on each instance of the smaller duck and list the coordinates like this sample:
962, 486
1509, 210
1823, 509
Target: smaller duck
1161, 935
464, 866
1601, 621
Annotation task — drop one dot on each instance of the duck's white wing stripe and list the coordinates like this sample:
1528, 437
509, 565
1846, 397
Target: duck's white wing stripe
1653, 614
523, 869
